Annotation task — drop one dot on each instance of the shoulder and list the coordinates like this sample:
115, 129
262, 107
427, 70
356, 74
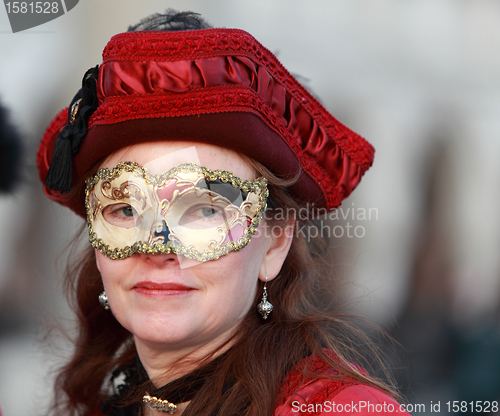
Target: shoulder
332, 396
335, 397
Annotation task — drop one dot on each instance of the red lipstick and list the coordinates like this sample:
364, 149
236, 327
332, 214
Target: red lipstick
162, 289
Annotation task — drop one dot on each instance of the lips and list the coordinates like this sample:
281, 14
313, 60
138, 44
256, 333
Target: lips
162, 289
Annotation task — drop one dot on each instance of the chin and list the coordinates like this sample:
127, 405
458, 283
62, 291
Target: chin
164, 329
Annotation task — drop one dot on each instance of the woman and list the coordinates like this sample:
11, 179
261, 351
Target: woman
189, 153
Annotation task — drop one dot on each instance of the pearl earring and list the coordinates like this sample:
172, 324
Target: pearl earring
103, 300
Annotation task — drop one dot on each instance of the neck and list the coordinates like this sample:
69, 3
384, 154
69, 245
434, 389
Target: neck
165, 365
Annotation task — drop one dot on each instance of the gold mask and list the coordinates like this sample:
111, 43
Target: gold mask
188, 210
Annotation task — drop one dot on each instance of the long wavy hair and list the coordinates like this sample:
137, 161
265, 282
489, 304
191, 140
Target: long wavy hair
304, 323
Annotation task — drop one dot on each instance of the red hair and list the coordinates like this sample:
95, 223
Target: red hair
302, 324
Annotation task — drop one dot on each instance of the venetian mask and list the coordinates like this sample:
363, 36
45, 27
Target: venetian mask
188, 210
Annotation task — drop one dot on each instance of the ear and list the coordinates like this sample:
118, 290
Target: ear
280, 240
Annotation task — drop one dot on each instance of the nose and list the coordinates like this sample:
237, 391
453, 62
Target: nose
161, 235
161, 260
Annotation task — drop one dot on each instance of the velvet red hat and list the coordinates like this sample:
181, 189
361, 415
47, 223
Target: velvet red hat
217, 86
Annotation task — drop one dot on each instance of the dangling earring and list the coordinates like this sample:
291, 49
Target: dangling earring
265, 307
103, 300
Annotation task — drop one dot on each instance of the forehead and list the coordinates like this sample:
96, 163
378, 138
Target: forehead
161, 156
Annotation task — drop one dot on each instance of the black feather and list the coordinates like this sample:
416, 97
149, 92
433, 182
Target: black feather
171, 21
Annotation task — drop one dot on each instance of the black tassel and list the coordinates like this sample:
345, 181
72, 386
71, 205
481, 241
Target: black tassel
61, 168
68, 142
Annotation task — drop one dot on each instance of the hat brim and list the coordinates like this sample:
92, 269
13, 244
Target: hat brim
243, 132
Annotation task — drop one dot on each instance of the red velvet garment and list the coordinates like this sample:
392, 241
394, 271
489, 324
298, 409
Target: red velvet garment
320, 396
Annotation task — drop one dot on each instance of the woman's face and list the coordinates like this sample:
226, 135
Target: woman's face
172, 307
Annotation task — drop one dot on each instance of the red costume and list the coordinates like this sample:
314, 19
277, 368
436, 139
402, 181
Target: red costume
326, 396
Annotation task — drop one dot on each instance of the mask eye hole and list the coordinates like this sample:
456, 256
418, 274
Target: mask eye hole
121, 215
203, 216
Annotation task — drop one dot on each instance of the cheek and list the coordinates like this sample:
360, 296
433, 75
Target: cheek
103, 264
113, 275
110, 269
248, 262
256, 250
231, 286
98, 260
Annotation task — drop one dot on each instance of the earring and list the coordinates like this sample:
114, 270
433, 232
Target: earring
265, 307
103, 300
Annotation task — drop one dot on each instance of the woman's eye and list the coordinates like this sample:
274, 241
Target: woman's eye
122, 215
208, 212
202, 216
127, 211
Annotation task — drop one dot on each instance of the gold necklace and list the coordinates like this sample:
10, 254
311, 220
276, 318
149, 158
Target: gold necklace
158, 404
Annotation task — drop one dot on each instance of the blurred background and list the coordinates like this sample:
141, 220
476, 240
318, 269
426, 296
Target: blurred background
420, 80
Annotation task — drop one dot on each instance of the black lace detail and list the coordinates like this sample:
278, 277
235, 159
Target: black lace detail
124, 380
178, 391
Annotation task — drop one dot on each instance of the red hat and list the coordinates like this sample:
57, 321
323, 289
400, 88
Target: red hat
217, 86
